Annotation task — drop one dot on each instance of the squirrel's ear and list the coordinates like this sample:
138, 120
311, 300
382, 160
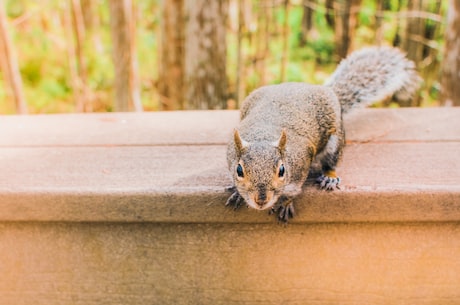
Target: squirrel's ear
240, 144
281, 144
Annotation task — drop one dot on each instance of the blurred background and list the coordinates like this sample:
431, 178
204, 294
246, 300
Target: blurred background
148, 55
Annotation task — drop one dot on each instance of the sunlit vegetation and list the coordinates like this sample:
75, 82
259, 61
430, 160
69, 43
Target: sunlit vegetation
64, 49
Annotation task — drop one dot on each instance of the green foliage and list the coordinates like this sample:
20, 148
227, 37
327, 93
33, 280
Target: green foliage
42, 44
31, 72
367, 13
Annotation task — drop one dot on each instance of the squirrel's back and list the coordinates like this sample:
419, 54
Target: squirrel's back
292, 106
373, 74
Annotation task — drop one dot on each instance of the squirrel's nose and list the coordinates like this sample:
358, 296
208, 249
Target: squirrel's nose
261, 198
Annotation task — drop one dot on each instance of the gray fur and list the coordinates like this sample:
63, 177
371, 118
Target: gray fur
373, 74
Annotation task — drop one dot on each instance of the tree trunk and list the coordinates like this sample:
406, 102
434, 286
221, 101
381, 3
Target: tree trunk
240, 69
285, 39
92, 24
124, 55
171, 55
451, 64
307, 21
205, 57
71, 56
378, 22
134, 81
397, 40
330, 13
415, 29
413, 42
9, 64
84, 103
264, 20
345, 24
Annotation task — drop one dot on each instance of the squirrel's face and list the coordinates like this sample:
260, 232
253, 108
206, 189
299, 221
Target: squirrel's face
260, 172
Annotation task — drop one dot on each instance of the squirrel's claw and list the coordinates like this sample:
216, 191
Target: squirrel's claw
328, 183
286, 212
285, 209
235, 200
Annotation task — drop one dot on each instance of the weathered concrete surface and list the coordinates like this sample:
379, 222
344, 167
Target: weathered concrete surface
142, 167
202, 127
128, 209
94, 264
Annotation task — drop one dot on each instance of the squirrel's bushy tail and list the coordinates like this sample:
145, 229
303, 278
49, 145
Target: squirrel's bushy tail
373, 74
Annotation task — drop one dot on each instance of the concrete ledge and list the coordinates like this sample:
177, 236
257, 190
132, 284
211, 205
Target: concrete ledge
129, 209
100, 263
400, 165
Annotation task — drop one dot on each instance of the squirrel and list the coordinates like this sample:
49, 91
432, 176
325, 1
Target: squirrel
287, 128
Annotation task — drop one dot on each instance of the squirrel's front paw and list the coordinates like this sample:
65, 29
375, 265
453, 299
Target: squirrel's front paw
328, 183
235, 200
285, 209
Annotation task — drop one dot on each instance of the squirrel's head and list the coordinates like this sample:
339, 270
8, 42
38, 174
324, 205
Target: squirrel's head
259, 170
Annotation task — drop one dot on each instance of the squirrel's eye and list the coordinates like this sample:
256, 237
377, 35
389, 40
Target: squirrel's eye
281, 171
239, 171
